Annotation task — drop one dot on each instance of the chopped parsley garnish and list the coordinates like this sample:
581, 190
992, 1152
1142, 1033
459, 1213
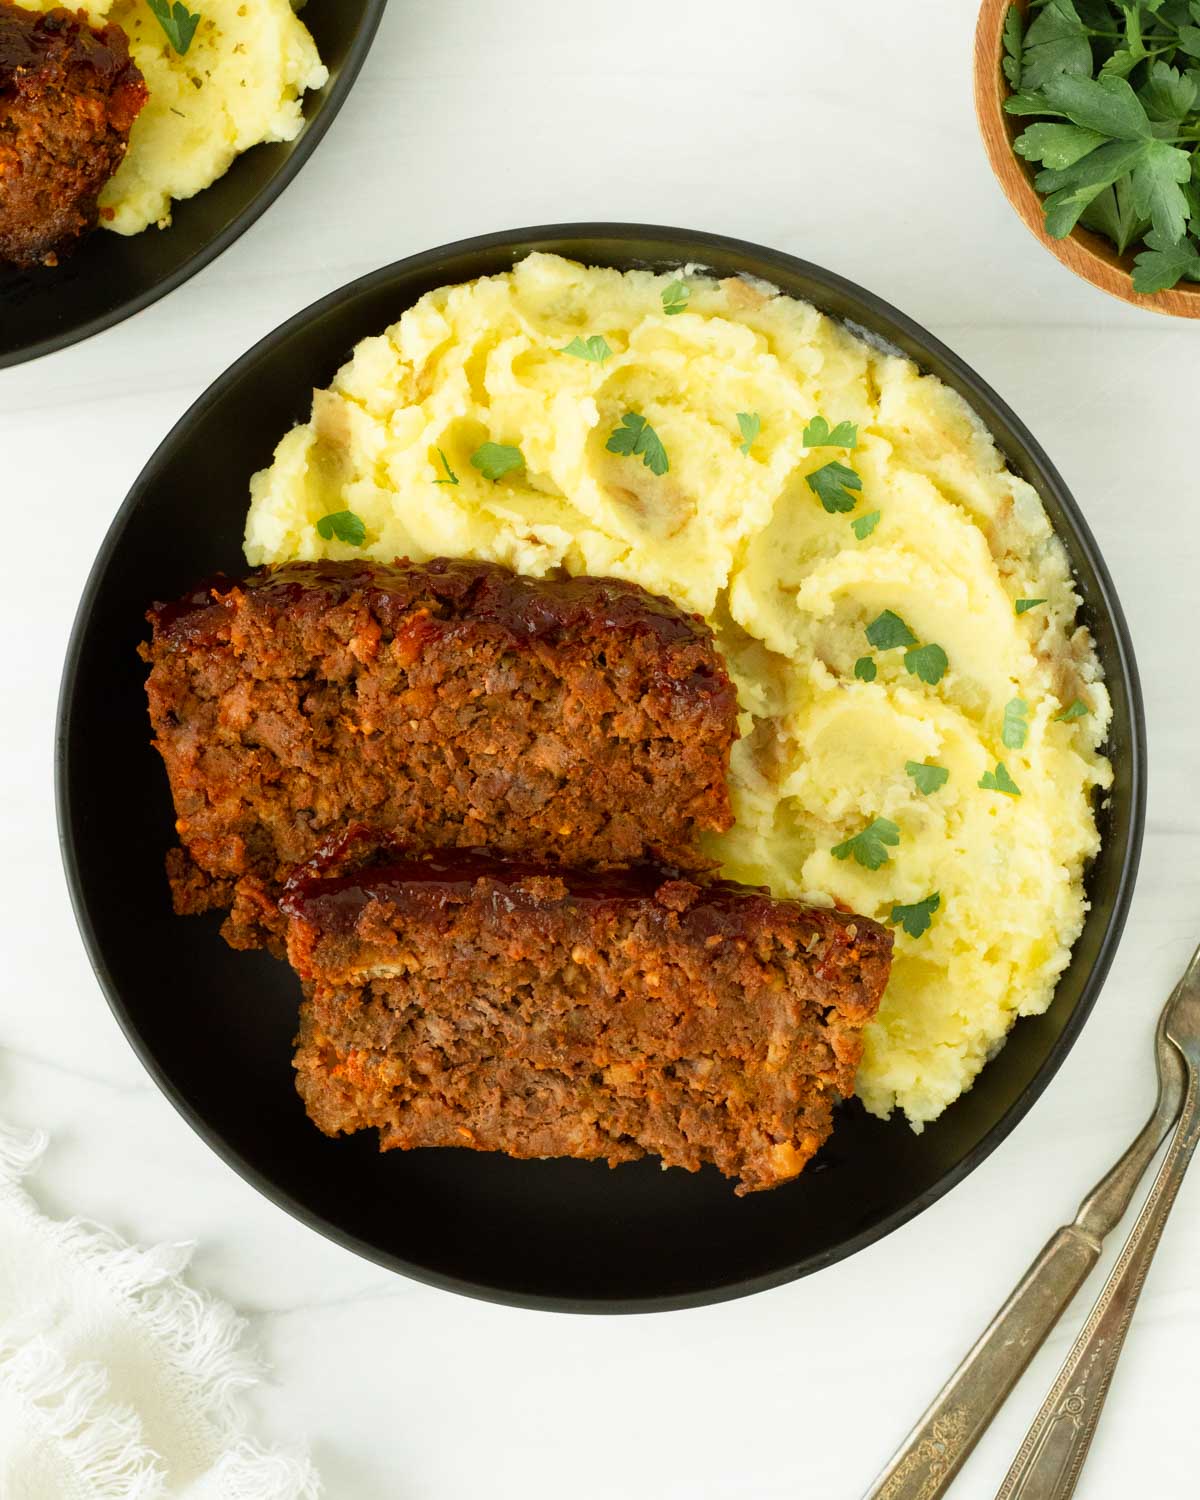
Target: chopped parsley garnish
1076, 710
863, 526
928, 779
832, 484
636, 438
675, 297
889, 630
594, 348
1016, 728
451, 476
344, 525
999, 781
915, 919
495, 460
819, 434
928, 662
177, 21
865, 669
869, 847
1024, 604
749, 424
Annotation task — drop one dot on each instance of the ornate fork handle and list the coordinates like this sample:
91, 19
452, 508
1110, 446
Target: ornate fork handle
1048, 1464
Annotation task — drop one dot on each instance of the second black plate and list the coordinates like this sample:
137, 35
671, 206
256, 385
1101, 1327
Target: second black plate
110, 277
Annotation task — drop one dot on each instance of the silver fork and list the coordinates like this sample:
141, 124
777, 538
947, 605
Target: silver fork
929, 1458
1049, 1461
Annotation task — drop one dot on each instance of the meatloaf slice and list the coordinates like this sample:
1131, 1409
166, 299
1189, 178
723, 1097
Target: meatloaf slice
458, 1001
68, 98
447, 704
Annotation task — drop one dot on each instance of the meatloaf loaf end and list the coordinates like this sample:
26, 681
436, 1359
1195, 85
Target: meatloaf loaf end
458, 1001
69, 95
446, 704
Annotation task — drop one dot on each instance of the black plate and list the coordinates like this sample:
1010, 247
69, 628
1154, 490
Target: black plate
110, 277
214, 1026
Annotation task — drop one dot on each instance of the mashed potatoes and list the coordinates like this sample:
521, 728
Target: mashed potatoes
238, 84
788, 586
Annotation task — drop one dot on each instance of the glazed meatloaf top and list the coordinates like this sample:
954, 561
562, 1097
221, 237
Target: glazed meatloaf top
709, 933
69, 95
459, 1001
447, 703
412, 598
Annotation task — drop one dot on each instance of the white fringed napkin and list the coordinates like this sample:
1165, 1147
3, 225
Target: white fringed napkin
117, 1380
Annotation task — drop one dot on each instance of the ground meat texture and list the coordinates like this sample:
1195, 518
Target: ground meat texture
445, 704
68, 98
459, 1001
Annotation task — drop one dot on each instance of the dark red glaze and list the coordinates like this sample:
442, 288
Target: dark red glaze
530, 608
449, 878
456, 872
26, 37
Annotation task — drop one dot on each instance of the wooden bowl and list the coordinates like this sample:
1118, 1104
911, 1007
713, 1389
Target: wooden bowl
1089, 255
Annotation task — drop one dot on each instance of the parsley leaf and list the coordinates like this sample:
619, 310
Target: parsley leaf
675, 297
928, 779
915, 919
1075, 710
1163, 264
1167, 93
1016, 728
1111, 213
865, 669
636, 437
1023, 605
1107, 105
1056, 146
1014, 45
832, 484
819, 434
868, 847
1055, 43
1158, 175
1072, 189
929, 663
344, 525
495, 460
1000, 781
888, 630
863, 526
451, 476
594, 349
1123, 61
177, 21
1030, 104
749, 424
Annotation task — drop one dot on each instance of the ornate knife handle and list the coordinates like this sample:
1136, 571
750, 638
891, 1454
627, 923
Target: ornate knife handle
1048, 1465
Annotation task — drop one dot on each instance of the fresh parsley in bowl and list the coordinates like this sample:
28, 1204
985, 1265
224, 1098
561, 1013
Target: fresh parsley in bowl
1090, 111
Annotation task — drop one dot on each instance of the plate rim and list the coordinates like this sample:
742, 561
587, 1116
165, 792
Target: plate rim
981, 395
308, 141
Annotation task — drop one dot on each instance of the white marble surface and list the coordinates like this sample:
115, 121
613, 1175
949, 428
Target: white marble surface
843, 133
